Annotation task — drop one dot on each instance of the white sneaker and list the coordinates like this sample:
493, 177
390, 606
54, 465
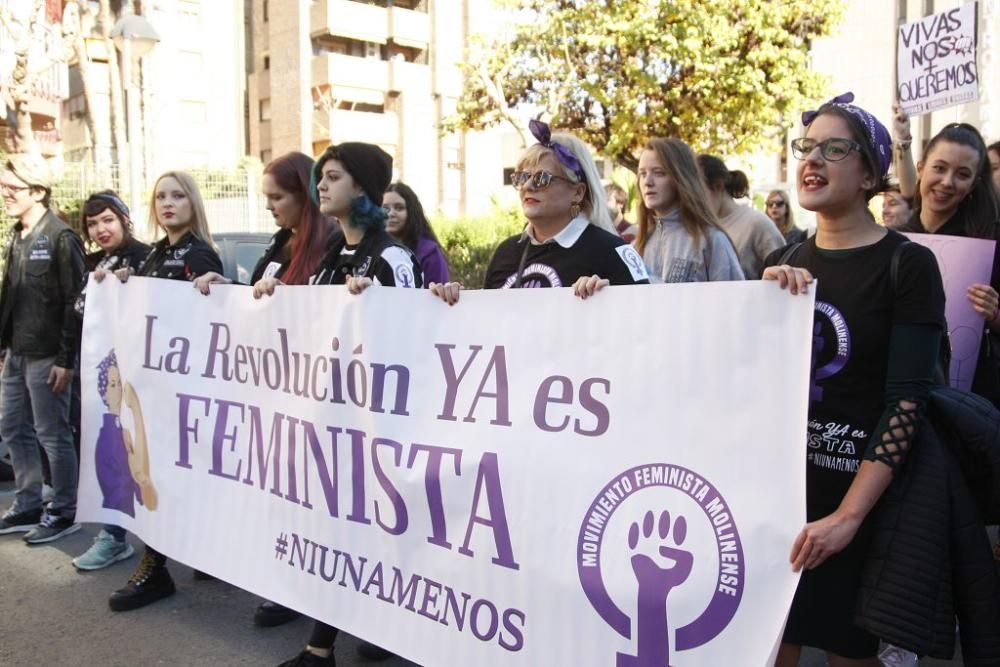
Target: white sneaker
104, 552
893, 656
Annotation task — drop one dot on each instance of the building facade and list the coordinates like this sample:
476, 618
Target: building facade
380, 71
192, 86
39, 38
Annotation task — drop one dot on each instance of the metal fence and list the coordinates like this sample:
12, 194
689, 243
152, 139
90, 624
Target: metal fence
233, 200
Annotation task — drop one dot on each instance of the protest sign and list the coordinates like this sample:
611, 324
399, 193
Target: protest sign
936, 61
525, 478
963, 262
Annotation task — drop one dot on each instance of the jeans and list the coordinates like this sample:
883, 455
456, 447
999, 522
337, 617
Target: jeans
29, 408
116, 532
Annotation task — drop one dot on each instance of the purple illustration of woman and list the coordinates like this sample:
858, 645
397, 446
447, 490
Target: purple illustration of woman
122, 462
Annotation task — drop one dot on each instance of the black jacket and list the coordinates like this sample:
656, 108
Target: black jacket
130, 255
930, 559
50, 273
189, 258
378, 256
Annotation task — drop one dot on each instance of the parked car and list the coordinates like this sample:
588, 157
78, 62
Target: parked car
239, 252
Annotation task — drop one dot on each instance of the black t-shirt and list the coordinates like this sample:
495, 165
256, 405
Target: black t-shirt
856, 307
187, 259
130, 254
276, 258
549, 264
378, 256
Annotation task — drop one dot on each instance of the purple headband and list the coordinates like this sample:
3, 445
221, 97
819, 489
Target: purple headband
878, 135
565, 156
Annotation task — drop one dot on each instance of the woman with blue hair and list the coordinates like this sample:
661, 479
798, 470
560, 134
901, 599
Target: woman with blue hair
348, 181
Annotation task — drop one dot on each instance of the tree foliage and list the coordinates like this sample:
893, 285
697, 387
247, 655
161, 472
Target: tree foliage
723, 75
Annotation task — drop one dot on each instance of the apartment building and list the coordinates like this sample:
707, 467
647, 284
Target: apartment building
381, 71
192, 86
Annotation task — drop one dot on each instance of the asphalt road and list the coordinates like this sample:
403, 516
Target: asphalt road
54, 615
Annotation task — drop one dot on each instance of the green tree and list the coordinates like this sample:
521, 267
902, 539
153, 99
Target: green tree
723, 75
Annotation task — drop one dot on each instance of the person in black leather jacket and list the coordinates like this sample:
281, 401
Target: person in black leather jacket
38, 333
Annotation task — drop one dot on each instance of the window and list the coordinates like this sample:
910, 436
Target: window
267, 62
194, 112
264, 7
265, 156
265, 109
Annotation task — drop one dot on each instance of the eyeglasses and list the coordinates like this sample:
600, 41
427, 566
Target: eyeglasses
832, 150
13, 189
539, 180
777, 203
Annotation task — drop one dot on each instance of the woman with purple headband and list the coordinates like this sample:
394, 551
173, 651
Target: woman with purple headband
569, 239
875, 348
105, 222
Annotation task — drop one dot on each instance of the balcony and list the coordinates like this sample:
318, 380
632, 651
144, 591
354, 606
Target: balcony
354, 20
410, 28
376, 128
336, 70
406, 77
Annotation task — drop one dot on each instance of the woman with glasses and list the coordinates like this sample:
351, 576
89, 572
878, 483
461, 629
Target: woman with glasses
679, 234
408, 225
955, 195
753, 234
569, 239
875, 347
778, 207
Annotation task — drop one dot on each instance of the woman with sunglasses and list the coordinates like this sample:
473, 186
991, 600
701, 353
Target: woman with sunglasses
778, 208
569, 239
955, 195
874, 352
679, 234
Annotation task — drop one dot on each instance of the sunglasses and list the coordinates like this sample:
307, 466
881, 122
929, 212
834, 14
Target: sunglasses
834, 149
539, 180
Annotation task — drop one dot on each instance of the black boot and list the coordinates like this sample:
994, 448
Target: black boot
271, 614
150, 582
370, 651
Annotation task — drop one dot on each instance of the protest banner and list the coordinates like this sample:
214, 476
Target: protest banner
963, 262
936, 61
525, 478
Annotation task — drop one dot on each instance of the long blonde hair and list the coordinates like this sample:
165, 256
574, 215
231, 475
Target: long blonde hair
199, 221
678, 160
595, 203
789, 217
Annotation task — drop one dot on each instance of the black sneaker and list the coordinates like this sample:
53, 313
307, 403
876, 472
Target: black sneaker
51, 528
19, 522
271, 614
307, 659
151, 582
370, 651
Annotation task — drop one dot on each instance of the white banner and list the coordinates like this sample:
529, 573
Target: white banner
522, 479
936, 61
